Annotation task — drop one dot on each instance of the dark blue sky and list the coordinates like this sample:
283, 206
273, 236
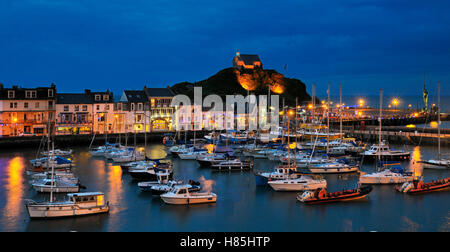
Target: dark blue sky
364, 44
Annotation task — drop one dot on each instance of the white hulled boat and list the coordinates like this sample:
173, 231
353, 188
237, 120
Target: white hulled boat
78, 204
180, 195
303, 183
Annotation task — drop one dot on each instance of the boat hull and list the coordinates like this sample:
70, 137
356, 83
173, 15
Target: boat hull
60, 211
384, 180
296, 187
188, 200
47, 189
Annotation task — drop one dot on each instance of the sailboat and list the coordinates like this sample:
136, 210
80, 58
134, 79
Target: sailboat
331, 166
78, 203
439, 163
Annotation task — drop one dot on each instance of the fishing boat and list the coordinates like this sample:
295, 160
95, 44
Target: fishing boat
192, 186
192, 154
383, 152
163, 178
280, 172
334, 167
47, 162
129, 157
180, 195
57, 185
234, 164
78, 204
148, 173
57, 152
303, 183
418, 186
321, 196
390, 173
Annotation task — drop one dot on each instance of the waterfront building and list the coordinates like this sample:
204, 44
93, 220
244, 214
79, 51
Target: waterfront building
133, 110
103, 110
26, 111
160, 110
246, 61
74, 113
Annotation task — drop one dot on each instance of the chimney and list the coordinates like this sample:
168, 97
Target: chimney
87, 91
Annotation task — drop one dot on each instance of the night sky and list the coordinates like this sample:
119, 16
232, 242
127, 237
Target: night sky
101, 44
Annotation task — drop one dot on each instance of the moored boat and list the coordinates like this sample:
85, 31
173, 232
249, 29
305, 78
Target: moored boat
180, 195
234, 164
321, 196
78, 204
418, 186
303, 183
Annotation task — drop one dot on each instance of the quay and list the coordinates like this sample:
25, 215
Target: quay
86, 139
401, 135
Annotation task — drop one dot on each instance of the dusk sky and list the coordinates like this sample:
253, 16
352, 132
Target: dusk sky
116, 45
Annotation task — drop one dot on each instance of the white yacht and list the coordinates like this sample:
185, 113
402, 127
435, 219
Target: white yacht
333, 167
57, 152
303, 183
78, 204
383, 152
385, 177
180, 195
59, 185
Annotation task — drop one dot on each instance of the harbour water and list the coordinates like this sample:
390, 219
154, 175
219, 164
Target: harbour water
241, 206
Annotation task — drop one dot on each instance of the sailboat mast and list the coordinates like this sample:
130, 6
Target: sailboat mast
340, 110
328, 119
379, 130
439, 120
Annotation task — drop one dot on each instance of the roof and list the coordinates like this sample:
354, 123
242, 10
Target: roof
20, 93
159, 92
135, 96
74, 99
249, 58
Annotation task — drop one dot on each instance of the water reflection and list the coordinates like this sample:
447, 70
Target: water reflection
14, 190
414, 164
115, 187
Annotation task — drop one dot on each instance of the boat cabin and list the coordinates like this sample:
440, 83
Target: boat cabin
90, 199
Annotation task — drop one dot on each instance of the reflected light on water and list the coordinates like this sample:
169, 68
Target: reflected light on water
115, 187
415, 166
14, 188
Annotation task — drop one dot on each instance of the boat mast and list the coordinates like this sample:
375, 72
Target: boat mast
379, 130
328, 119
145, 132
340, 110
439, 120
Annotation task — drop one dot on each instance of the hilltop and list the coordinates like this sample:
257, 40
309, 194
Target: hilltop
231, 81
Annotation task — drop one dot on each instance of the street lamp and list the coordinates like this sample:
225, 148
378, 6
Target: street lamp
395, 102
361, 102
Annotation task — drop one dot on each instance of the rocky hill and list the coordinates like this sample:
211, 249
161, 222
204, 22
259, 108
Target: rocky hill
231, 81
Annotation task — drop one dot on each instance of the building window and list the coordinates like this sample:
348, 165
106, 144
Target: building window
107, 107
84, 107
139, 106
50, 93
25, 105
97, 97
30, 94
36, 105
77, 108
98, 107
11, 94
66, 108
105, 97
132, 106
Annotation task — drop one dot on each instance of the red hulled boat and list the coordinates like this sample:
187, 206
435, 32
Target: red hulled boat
418, 186
321, 196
